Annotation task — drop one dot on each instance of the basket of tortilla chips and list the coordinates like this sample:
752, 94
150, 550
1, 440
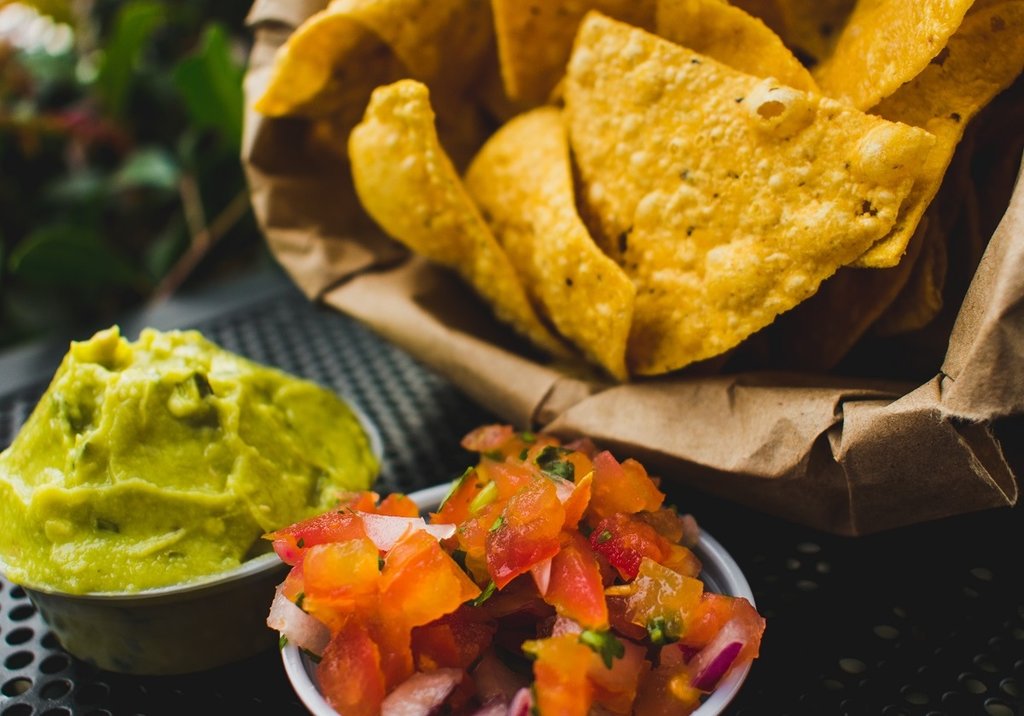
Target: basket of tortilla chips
770, 247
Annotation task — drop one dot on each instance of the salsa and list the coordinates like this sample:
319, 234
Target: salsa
156, 462
551, 579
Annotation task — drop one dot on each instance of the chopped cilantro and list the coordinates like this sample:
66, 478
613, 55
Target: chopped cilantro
301, 543
528, 437
662, 631
456, 483
300, 600
497, 524
551, 462
604, 537
524, 453
486, 594
604, 644
380, 564
282, 641
494, 455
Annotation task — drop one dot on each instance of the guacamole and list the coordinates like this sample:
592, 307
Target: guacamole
157, 462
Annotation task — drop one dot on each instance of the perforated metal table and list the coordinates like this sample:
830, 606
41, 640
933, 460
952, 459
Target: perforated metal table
921, 621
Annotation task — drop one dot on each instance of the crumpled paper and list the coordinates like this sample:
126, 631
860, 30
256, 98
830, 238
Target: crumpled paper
846, 455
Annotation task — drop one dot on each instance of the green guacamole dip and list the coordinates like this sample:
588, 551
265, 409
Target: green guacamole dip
157, 462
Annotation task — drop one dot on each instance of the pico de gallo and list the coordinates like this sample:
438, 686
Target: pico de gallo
551, 580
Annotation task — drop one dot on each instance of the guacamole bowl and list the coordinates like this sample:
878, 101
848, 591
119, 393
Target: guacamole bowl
198, 625
169, 630
134, 497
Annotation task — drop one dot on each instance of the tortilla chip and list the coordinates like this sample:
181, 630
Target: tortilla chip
408, 185
717, 29
522, 182
727, 198
920, 301
812, 27
535, 39
884, 44
819, 332
339, 55
981, 60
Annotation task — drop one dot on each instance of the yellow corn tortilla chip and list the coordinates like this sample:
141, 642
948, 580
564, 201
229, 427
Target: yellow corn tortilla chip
717, 29
980, 60
812, 27
727, 198
522, 182
535, 39
884, 44
921, 299
819, 332
339, 55
407, 183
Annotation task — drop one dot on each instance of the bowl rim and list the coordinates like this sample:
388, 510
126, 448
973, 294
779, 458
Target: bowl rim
267, 562
728, 578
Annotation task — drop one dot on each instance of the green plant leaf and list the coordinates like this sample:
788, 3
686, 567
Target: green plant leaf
210, 82
134, 24
165, 249
152, 167
64, 255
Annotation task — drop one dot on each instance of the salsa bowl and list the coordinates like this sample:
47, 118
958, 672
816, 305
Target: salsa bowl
720, 574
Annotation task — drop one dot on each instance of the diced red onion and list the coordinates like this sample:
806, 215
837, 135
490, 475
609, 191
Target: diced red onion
711, 669
305, 631
565, 625
385, 530
421, 693
494, 680
496, 706
521, 704
542, 575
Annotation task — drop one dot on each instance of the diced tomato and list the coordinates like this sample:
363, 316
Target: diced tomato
706, 619
455, 507
711, 616
560, 675
340, 578
575, 589
528, 532
682, 560
616, 688
398, 505
487, 438
625, 540
350, 672
472, 535
662, 599
578, 501
455, 640
583, 445
509, 477
622, 487
421, 582
291, 542
664, 691
363, 501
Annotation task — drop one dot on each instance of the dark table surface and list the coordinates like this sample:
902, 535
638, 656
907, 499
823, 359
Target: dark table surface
922, 621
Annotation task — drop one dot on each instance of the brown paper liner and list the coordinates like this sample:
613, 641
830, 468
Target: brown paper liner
845, 455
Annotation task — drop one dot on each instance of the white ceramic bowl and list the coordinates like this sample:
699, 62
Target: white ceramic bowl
721, 575
177, 629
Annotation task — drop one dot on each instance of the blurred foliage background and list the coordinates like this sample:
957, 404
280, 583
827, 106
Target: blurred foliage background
120, 126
